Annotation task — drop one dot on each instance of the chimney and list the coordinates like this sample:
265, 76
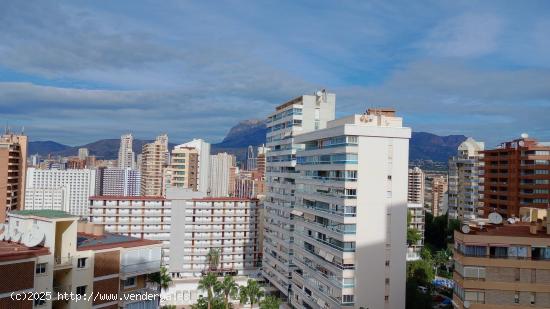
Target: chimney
533, 228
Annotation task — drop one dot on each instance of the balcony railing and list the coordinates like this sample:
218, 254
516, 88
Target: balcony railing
63, 261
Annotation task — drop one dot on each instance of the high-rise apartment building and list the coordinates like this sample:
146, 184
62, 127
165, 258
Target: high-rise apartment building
79, 184
83, 153
229, 225
221, 173
417, 222
183, 170
466, 181
47, 198
126, 157
51, 252
350, 216
203, 149
516, 174
299, 115
435, 197
504, 265
13, 164
154, 158
118, 182
416, 186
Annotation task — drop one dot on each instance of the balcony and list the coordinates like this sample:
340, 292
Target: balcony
147, 267
63, 262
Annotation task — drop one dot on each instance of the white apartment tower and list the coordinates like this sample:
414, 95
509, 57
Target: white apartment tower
154, 159
203, 149
350, 215
300, 115
220, 170
119, 182
126, 158
77, 186
466, 180
416, 186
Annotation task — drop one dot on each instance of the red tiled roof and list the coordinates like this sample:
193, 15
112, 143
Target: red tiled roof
10, 251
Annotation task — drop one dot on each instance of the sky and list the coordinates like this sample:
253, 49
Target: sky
78, 71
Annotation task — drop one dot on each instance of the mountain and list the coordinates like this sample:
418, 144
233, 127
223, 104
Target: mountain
45, 147
105, 149
428, 146
245, 133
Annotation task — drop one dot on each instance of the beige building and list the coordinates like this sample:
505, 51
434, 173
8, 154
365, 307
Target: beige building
222, 174
51, 252
13, 165
435, 196
183, 169
416, 186
154, 157
502, 266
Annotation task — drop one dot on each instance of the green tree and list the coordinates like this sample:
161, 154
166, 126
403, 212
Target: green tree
202, 303
213, 258
207, 283
162, 280
228, 288
416, 299
413, 236
270, 302
251, 293
421, 271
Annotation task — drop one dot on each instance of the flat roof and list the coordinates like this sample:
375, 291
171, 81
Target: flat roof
127, 198
10, 251
92, 242
520, 229
224, 199
45, 213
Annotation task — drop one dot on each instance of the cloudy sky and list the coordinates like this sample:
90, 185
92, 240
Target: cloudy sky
77, 71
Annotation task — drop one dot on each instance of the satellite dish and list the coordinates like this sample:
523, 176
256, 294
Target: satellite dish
319, 93
465, 229
34, 237
524, 135
466, 304
495, 218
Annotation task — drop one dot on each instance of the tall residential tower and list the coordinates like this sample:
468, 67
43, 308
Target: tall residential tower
13, 165
126, 157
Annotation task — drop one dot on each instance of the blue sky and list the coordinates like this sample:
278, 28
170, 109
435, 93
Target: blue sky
77, 71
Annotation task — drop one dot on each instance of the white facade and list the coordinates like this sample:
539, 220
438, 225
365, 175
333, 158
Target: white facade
416, 186
120, 182
220, 169
417, 215
47, 198
302, 114
80, 184
203, 149
466, 181
126, 157
83, 153
350, 216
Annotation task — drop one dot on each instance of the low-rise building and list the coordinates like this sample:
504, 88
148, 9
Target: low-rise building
52, 253
502, 265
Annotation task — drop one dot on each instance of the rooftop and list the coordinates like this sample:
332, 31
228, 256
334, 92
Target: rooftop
14, 251
520, 229
106, 241
126, 198
45, 213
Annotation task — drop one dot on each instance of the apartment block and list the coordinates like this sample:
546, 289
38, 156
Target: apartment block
154, 158
49, 198
300, 115
221, 174
436, 193
416, 218
416, 186
203, 150
83, 153
350, 216
230, 225
117, 182
13, 163
79, 185
183, 170
516, 174
140, 217
126, 156
503, 265
466, 181
51, 252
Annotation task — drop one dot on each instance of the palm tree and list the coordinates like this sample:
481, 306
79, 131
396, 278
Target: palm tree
228, 288
208, 283
162, 280
251, 293
213, 257
270, 302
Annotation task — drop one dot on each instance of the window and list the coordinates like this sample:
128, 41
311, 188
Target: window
516, 297
41, 268
387, 263
130, 282
81, 290
81, 262
347, 298
532, 298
